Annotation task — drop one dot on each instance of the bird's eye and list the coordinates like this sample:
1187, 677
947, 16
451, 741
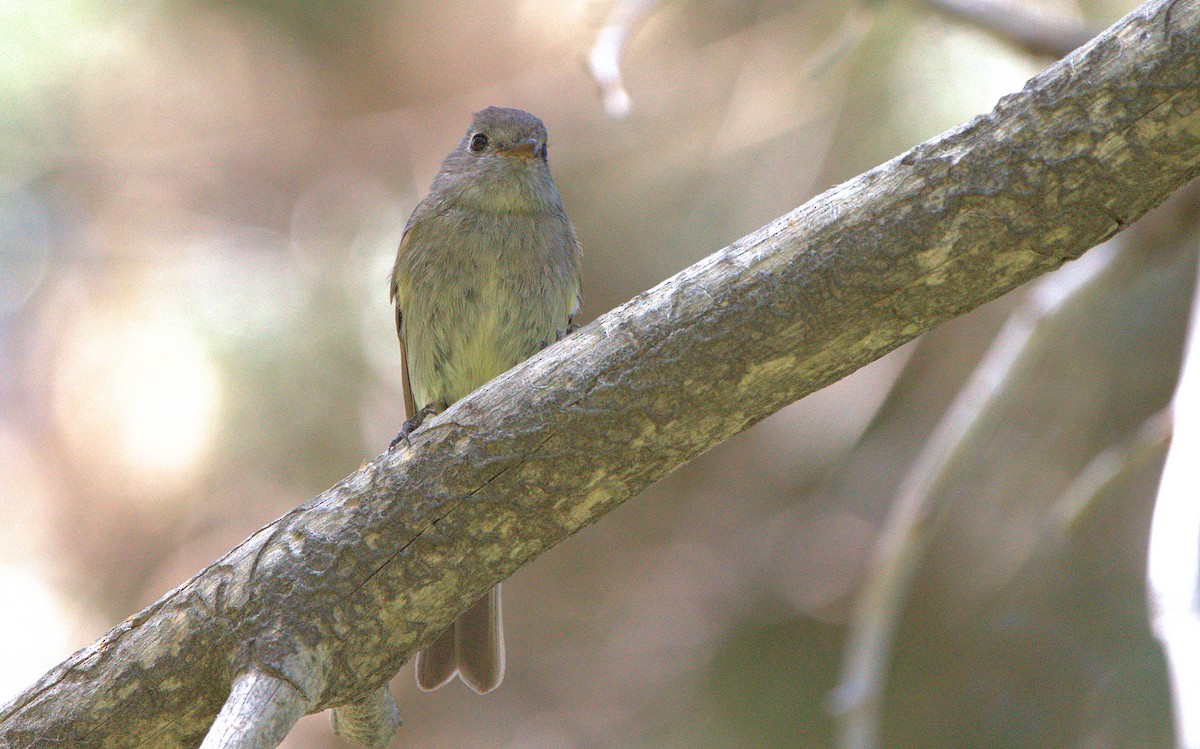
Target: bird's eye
479, 142
545, 151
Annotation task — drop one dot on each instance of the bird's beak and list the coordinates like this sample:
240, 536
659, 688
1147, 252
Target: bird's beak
522, 149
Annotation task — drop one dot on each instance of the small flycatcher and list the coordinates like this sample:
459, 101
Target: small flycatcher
486, 275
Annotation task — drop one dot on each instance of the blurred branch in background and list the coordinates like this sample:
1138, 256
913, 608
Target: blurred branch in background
1112, 464
604, 61
1020, 24
625, 16
1173, 569
1031, 30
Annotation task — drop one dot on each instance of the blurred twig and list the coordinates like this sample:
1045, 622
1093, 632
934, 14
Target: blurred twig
604, 61
1109, 465
1173, 569
333, 597
1036, 32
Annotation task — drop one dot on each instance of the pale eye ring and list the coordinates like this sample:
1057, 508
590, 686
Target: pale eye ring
478, 142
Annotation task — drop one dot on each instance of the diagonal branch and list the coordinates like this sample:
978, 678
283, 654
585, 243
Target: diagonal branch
334, 596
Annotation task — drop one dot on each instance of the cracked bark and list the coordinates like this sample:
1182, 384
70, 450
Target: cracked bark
337, 594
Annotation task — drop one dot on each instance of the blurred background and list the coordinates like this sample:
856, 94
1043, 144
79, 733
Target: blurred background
200, 203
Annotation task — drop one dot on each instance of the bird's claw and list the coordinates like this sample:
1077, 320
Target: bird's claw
410, 426
559, 334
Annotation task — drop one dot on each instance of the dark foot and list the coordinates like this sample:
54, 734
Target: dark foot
560, 334
411, 425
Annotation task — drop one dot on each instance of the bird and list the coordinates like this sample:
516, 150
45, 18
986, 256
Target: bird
486, 275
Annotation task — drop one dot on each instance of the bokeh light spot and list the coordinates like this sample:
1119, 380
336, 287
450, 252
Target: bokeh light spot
34, 641
141, 391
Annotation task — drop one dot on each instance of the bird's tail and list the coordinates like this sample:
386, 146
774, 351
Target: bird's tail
472, 647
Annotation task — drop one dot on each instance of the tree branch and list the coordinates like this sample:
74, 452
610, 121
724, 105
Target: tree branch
336, 595
260, 711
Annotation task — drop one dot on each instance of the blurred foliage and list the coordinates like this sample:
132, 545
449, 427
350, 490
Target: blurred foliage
199, 205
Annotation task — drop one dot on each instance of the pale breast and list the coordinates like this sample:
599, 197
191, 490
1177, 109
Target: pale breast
475, 306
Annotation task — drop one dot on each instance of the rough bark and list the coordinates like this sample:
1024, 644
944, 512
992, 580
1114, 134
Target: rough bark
337, 594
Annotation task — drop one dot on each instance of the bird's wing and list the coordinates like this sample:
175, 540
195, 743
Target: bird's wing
410, 404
